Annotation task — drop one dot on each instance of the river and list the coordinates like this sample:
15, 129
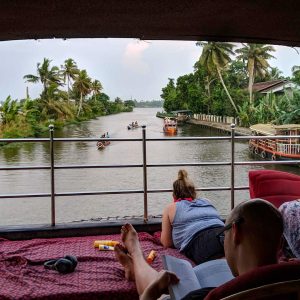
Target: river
69, 209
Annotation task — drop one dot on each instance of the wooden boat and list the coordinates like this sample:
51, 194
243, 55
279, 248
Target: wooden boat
275, 149
170, 126
182, 115
133, 126
102, 144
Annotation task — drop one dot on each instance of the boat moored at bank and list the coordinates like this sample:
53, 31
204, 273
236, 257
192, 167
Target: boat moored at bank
276, 148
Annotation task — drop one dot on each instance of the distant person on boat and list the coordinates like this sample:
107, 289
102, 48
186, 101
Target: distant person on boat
136, 124
291, 218
190, 224
107, 135
251, 237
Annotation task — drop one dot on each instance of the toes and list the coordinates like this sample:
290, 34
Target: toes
128, 227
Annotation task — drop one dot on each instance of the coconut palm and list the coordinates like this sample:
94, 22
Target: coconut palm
69, 72
54, 104
96, 88
45, 75
256, 56
295, 70
82, 84
274, 73
296, 74
215, 58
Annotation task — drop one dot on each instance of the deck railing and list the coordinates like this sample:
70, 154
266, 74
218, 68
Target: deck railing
293, 149
144, 165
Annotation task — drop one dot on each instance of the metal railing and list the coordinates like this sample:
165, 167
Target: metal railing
144, 165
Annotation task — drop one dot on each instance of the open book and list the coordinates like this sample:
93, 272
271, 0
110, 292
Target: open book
209, 274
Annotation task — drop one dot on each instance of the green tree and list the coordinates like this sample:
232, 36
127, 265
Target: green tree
296, 74
169, 96
274, 73
82, 84
45, 74
69, 72
215, 58
96, 88
9, 110
256, 56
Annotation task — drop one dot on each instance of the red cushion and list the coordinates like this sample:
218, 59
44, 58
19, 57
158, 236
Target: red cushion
274, 186
257, 277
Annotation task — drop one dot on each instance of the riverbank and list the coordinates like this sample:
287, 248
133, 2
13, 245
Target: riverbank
223, 127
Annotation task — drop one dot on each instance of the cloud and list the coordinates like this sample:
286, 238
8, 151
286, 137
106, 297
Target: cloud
133, 57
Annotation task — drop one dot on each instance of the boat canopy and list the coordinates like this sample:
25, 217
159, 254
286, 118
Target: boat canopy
182, 112
231, 20
287, 127
264, 129
270, 129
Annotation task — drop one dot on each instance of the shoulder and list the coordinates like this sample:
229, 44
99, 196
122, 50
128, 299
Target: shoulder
170, 207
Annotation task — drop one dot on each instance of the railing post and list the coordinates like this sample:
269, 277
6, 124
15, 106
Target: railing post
232, 164
52, 184
145, 175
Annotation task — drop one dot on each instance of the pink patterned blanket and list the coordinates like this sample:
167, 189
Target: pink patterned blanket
98, 275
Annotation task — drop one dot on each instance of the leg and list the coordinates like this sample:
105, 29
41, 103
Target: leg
126, 261
144, 275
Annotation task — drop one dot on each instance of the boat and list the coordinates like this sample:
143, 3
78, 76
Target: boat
102, 144
133, 126
276, 148
170, 126
182, 116
231, 21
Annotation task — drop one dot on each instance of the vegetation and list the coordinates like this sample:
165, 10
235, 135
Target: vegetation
68, 95
144, 104
222, 84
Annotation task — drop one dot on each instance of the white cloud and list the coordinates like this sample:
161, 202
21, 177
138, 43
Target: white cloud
133, 56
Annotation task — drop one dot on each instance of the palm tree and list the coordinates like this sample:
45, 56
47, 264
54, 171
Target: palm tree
96, 88
296, 74
296, 70
69, 72
83, 85
215, 57
257, 56
45, 75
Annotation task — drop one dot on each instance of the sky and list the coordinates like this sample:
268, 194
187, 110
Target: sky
127, 68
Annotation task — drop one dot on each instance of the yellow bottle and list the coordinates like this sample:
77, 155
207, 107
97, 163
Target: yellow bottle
105, 242
151, 256
106, 248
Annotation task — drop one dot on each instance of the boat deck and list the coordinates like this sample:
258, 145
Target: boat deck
98, 275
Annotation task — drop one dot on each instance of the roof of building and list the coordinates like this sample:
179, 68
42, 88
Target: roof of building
263, 86
231, 20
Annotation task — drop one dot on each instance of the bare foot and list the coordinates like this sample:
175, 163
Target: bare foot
126, 261
159, 285
130, 239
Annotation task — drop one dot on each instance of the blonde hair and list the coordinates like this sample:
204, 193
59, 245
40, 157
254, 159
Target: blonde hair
183, 187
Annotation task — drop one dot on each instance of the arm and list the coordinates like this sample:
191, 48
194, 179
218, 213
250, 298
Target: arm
166, 232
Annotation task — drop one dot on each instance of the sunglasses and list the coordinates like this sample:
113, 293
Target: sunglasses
221, 235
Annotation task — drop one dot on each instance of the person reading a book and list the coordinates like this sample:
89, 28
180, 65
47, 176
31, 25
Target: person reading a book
190, 224
251, 237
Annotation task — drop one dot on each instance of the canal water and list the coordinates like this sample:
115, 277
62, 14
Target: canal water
79, 208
